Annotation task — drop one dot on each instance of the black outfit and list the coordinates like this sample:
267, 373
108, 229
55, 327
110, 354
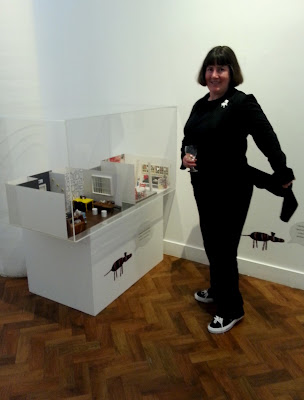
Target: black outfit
269, 182
224, 182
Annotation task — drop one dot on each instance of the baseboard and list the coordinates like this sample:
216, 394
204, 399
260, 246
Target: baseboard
267, 272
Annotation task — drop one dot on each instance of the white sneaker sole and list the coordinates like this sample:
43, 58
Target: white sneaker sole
202, 300
225, 328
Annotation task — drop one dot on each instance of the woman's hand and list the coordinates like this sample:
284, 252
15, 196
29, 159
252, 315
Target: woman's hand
189, 161
287, 185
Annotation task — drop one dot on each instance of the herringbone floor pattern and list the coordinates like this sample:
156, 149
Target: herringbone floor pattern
152, 343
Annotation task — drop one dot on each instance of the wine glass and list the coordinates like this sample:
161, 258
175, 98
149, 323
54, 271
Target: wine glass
191, 151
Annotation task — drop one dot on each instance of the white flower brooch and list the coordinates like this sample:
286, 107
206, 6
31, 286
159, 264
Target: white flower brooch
225, 103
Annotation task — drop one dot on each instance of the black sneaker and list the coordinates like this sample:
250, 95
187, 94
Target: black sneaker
203, 296
221, 325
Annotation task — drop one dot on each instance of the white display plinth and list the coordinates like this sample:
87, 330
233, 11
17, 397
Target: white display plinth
89, 196
79, 274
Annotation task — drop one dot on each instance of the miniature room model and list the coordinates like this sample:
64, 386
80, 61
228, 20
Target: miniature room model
114, 213
78, 200
92, 202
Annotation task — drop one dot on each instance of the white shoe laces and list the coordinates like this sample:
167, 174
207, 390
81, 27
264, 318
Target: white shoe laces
218, 319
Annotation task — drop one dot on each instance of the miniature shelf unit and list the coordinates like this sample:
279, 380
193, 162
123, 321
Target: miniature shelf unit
92, 204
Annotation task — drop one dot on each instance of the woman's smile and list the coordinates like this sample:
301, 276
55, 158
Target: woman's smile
217, 79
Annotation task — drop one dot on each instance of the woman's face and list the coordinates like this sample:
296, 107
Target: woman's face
217, 79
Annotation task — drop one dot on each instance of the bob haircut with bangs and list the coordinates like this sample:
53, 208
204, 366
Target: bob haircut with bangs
222, 55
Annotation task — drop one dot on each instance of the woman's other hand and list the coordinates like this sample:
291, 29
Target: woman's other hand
286, 185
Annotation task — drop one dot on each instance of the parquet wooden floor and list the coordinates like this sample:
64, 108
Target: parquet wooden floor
152, 343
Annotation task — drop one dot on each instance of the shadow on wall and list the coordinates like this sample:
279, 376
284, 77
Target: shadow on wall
167, 204
181, 208
194, 248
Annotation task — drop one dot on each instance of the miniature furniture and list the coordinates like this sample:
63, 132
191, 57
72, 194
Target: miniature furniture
108, 205
79, 225
83, 204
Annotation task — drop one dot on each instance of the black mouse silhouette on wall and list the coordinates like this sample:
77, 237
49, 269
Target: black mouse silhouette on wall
263, 237
119, 264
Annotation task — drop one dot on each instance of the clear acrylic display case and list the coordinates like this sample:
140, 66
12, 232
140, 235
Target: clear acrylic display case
72, 178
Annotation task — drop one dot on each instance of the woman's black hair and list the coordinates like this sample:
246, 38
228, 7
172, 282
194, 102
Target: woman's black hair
222, 55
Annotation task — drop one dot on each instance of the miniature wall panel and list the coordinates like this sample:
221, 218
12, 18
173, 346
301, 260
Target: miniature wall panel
58, 185
31, 183
43, 180
74, 184
154, 166
87, 190
26, 147
125, 182
37, 210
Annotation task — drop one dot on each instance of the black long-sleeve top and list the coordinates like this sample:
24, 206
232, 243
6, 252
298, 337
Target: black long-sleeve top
220, 128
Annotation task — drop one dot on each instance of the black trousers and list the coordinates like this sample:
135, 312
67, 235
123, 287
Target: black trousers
223, 208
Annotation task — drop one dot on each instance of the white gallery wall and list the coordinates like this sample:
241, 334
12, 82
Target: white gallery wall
73, 58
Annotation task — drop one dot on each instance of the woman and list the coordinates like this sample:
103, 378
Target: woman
218, 125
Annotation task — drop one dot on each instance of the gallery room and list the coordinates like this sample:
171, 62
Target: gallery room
101, 249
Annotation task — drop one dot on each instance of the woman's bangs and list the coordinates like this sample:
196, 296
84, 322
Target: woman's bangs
217, 59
